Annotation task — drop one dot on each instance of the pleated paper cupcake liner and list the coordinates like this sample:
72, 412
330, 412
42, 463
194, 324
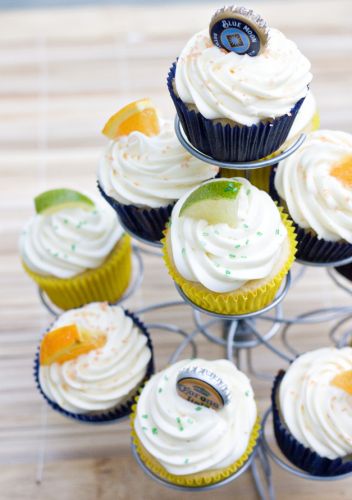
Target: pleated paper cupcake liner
147, 223
230, 143
117, 413
310, 248
237, 302
193, 480
301, 456
345, 271
105, 283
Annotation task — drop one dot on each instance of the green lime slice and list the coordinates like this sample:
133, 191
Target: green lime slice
213, 202
58, 199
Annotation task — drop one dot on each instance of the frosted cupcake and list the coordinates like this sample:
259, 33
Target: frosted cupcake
236, 103
315, 184
75, 249
142, 175
190, 444
307, 120
92, 362
312, 409
228, 246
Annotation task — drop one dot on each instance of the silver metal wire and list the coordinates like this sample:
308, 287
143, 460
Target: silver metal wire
285, 465
335, 278
174, 329
249, 165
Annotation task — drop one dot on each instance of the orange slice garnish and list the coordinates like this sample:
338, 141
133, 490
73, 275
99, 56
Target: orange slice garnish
68, 342
138, 116
343, 171
343, 381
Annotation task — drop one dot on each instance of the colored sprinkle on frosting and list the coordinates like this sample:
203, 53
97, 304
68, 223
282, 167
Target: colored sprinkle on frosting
154, 430
227, 272
186, 460
232, 255
180, 426
198, 408
73, 247
145, 416
245, 226
160, 390
259, 233
343, 171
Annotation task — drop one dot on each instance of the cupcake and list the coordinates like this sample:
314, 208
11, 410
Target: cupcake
75, 249
312, 411
185, 442
92, 362
307, 120
315, 185
236, 105
229, 246
142, 174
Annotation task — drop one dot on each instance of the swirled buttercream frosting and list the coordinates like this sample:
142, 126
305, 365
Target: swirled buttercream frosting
150, 171
70, 241
186, 438
241, 88
102, 378
316, 410
316, 184
224, 258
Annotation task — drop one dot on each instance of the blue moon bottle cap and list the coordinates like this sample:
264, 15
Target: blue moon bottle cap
202, 387
239, 30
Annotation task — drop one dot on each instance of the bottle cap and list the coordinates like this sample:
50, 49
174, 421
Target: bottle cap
238, 29
202, 387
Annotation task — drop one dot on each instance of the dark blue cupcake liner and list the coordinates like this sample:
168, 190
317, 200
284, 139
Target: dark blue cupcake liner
232, 143
310, 248
299, 455
345, 271
114, 414
146, 223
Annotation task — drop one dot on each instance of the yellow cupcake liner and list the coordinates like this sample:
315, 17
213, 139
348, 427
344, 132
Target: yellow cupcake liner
196, 480
237, 302
105, 283
260, 177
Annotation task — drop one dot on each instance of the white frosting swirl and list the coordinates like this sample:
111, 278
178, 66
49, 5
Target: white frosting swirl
150, 171
103, 378
315, 198
224, 258
304, 121
70, 241
317, 413
186, 438
239, 87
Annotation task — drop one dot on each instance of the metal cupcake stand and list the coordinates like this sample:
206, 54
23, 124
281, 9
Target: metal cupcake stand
240, 335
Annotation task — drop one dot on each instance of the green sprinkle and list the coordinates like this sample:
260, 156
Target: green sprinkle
154, 430
166, 377
243, 256
73, 247
145, 416
247, 242
227, 272
237, 246
95, 212
183, 251
248, 192
277, 231
56, 254
231, 187
65, 221
190, 420
160, 390
246, 226
178, 420
186, 460
144, 428
216, 231
198, 408
259, 233
232, 255
205, 234
246, 393
217, 265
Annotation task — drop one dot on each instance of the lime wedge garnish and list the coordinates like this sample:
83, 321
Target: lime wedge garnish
214, 202
58, 199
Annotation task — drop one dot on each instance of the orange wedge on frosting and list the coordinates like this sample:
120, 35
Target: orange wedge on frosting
138, 116
343, 381
343, 171
68, 342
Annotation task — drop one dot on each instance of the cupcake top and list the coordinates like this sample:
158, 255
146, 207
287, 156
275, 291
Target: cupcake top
316, 401
316, 184
242, 88
104, 370
69, 239
187, 438
235, 236
153, 171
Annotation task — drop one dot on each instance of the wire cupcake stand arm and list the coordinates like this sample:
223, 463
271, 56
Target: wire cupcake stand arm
241, 334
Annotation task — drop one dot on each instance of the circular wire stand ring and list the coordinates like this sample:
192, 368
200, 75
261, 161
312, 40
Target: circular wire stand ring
279, 298
335, 263
156, 244
290, 468
343, 341
137, 278
177, 487
232, 165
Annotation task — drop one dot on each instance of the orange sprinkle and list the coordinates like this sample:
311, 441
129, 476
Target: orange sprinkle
343, 171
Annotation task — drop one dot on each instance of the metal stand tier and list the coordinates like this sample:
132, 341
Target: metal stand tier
240, 334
